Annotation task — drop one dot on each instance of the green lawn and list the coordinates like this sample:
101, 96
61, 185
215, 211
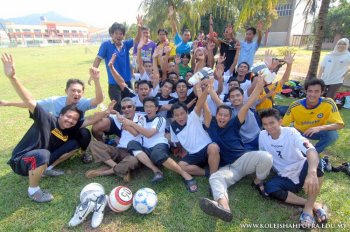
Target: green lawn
44, 72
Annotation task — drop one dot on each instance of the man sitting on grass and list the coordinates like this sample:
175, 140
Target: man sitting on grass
294, 170
235, 161
155, 148
48, 141
75, 91
316, 117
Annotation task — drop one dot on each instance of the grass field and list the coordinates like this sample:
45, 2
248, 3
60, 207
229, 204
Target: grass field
44, 72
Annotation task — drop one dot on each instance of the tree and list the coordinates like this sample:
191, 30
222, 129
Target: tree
189, 12
338, 20
319, 35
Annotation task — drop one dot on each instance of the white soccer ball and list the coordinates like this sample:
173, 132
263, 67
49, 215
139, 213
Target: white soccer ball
145, 201
91, 191
120, 199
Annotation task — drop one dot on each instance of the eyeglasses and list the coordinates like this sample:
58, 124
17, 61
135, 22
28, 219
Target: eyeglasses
128, 106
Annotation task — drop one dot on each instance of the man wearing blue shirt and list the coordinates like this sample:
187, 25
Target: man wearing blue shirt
183, 45
117, 45
235, 161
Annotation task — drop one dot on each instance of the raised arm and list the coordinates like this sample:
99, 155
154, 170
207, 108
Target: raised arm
252, 98
139, 28
139, 58
289, 58
210, 48
99, 115
235, 60
156, 77
95, 76
211, 31
97, 62
119, 79
16, 104
171, 15
218, 74
259, 29
23, 93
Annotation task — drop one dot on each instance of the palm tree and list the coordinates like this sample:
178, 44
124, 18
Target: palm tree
319, 35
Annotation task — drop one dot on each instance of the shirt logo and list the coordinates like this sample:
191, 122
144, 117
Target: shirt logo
177, 129
56, 132
320, 115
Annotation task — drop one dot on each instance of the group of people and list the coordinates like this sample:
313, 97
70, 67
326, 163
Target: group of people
214, 126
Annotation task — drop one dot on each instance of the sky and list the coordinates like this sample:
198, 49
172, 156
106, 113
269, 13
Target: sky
100, 13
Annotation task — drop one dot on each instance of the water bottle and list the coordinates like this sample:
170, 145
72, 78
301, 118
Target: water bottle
268, 76
200, 75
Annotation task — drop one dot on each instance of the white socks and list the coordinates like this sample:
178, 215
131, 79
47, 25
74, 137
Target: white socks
32, 190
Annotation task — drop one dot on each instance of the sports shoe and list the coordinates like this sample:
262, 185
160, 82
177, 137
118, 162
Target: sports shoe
212, 208
346, 168
53, 172
328, 165
41, 196
81, 212
99, 211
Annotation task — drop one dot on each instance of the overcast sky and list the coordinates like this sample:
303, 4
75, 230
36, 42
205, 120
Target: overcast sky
101, 13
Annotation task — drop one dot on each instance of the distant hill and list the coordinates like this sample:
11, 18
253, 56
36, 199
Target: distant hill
35, 19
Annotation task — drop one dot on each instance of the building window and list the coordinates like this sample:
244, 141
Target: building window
284, 9
37, 31
18, 30
26, 30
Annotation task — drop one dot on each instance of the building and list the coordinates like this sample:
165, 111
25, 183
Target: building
44, 34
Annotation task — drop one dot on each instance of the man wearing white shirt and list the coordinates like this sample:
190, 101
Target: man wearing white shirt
118, 160
294, 170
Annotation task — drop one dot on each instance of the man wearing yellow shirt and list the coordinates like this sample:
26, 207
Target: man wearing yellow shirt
317, 118
163, 41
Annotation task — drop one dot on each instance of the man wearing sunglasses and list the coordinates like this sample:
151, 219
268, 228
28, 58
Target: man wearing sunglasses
118, 160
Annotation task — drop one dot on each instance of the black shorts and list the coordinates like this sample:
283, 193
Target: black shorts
30, 161
157, 154
199, 158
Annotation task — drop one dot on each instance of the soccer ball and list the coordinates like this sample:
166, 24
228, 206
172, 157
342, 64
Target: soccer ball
145, 201
91, 191
120, 199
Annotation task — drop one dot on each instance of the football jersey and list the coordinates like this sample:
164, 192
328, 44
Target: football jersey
126, 136
287, 151
158, 123
268, 102
325, 112
192, 135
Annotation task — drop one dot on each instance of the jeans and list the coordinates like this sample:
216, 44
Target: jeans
325, 139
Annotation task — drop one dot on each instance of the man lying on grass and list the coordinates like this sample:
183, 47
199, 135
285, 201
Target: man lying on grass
294, 170
47, 142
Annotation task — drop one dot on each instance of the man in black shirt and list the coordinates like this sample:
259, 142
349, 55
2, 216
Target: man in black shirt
47, 140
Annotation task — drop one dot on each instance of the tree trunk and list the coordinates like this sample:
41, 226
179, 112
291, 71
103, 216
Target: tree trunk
319, 35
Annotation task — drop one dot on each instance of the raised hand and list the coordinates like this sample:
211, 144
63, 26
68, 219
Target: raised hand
139, 20
222, 58
268, 58
142, 42
177, 59
110, 108
94, 73
9, 65
3, 103
157, 52
167, 49
219, 70
170, 11
238, 45
260, 25
211, 20
289, 57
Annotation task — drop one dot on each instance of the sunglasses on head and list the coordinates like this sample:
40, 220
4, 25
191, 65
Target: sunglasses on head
127, 107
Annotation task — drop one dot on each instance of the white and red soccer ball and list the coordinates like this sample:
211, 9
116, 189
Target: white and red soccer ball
120, 199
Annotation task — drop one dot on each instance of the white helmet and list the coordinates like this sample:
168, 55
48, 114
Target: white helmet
91, 191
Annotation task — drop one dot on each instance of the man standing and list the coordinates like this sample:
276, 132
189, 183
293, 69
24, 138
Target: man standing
117, 45
317, 118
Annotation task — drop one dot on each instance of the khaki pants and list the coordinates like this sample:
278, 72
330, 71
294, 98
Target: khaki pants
259, 162
102, 152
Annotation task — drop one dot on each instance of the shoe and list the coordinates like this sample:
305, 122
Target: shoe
81, 212
328, 165
158, 176
346, 168
99, 211
86, 158
41, 196
212, 208
53, 172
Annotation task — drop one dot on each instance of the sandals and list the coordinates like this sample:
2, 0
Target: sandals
158, 176
212, 208
190, 184
86, 158
320, 213
306, 221
261, 189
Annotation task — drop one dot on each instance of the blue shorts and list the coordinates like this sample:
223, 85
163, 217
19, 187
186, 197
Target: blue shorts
199, 158
278, 183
